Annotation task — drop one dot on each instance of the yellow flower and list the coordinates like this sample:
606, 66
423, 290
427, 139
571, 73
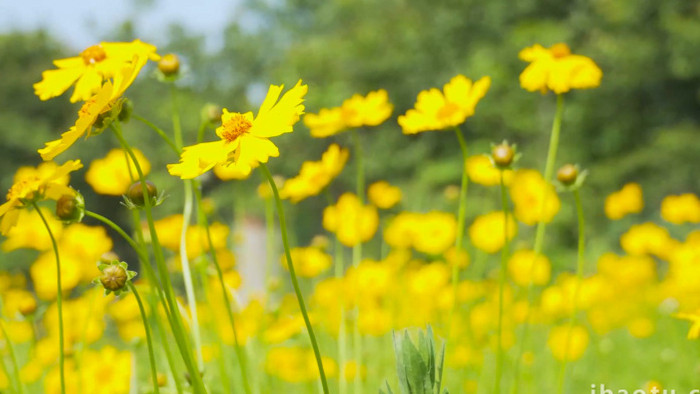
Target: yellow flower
526, 267
95, 65
244, 139
488, 231
528, 190
309, 262
436, 110
85, 244
350, 220
431, 233
556, 69
482, 171
314, 176
694, 317
357, 111
30, 232
383, 195
43, 272
100, 104
647, 238
230, 173
111, 175
568, 343
624, 201
681, 209
47, 182
296, 364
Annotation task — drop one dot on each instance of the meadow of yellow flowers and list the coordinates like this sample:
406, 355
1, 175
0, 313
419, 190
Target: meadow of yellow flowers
484, 308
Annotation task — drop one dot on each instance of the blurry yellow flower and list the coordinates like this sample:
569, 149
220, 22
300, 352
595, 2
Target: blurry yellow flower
438, 110
529, 191
383, 195
681, 209
308, 262
15, 301
526, 267
46, 182
429, 279
244, 139
482, 171
350, 220
647, 238
357, 111
19, 331
30, 232
693, 317
198, 242
106, 372
556, 69
283, 328
230, 173
487, 232
95, 65
168, 230
351, 370
296, 365
567, 343
641, 327
110, 175
314, 176
85, 244
43, 273
432, 233
625, 201
98, 105
374, 321
31, 372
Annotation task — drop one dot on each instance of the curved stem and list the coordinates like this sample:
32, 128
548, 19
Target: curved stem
501, 287
13, 357
59, 298
292, 274
577, 289
160, 132
151, 357
121, 232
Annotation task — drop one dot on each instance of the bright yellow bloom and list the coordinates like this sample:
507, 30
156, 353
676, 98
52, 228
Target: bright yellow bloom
526, 267
95, 108
431, 233
95, 65
529, 191
244, 139
357, 111
624, 201
556, 69
482, 171
111, 175
681, 209
568, 343
350, 220
43, 272
488, 231
49, 181
296, 364
308, 262
694, 317
30, 232
647, 238
383, 195
436, 110
230, 173
314, 176
85, 244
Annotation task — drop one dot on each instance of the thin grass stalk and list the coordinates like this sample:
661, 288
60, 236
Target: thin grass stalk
151, 356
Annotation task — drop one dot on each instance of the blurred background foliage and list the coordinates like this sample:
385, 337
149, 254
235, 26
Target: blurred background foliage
641, 125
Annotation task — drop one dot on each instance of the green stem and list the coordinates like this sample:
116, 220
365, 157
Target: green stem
501, 287
242, 360
359, 166
175, 317
177, 127
122, 233
541, 225
160, 132
292, 274
577, 289
151, 357
342, 340
59, 299
13, 357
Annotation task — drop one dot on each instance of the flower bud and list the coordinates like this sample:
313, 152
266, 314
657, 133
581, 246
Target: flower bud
211, 113
169, 64
70, 208
114, 277
567, 174
135, 193
503, 155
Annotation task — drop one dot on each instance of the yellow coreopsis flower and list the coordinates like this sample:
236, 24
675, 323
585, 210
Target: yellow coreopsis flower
383, 195
488, 231
309, 262
568, 343
244, 139
529, 191
48, 181
438, 110
96, 108
526, 267
350, 220
314, 176
556, 69
681, 209
482, 171
357, 111
95, 65
624, 201
112, 175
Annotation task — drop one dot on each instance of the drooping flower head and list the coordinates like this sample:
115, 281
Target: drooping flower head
97, 109
557, 69
314, 176
47, 181
439, 110
91, 68
357, 111
244, 139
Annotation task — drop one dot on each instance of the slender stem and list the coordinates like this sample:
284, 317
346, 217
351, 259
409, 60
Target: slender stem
242, 360
121, 232
342, 340
359, 166
541, 225
59, 299
160, 132
175, 115
151, 357
13, 357
577, 289
166, 348
292, 274
501, 286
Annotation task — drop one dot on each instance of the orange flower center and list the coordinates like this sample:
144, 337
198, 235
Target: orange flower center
560, 50
447, 111
235, 127
93, 54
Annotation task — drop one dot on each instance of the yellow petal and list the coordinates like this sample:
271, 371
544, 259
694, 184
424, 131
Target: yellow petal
89, 83
278, 119
197, 159
55, 82
54, 148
